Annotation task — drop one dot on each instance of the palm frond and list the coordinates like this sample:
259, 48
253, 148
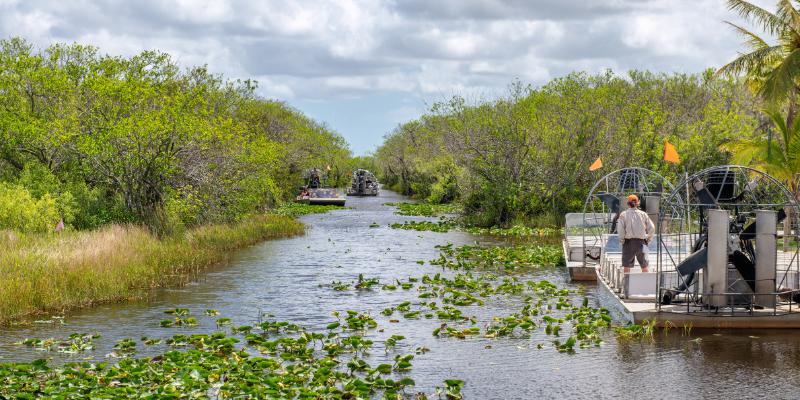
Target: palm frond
751, 39
746, 152
751, 62
787, 12
781, 80
775, 115
771, 23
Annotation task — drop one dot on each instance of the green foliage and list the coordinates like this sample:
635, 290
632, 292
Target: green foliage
286, 362
440, 226
506, 258
778, 156
113, 263
297, 209
138, 139
772, 71
524, 158
19, 210
424, 209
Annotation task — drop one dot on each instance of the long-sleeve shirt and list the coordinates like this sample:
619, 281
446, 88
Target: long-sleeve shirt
635, 224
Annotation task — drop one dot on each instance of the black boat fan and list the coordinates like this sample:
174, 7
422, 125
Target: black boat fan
713, 255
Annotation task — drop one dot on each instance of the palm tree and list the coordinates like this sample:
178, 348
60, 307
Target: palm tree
780, 158
773, 71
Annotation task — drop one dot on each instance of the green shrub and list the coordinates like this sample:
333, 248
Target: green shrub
21, 211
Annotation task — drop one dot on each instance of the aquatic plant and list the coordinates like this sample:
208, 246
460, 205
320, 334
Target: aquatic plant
340, 286
393, 340
645, 330
519, 231
298, 209
424, 209
366, 283
439, 226
304, 365
505, 258
75, 343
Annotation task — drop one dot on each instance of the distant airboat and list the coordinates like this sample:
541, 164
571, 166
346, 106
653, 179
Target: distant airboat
363, 183
314, 192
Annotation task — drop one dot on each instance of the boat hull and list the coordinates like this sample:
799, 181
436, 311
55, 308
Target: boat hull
326, 201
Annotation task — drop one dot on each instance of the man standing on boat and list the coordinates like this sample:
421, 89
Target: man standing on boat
635, 231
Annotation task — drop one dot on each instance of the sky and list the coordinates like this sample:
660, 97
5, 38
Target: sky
363, 67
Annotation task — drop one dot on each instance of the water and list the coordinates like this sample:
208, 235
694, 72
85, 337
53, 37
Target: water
288, 279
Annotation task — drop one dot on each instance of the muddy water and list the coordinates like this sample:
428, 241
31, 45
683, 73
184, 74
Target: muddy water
288, 278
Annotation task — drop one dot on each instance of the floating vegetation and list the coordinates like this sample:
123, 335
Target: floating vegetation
273, 359
481, 273
75, 343
516, 231
446, 225
279, 359
439, 226
182, 318
510, 258
646, 330
361, 283
366, 283
340, 286
424, 209
452, 389
123, 348
297, 209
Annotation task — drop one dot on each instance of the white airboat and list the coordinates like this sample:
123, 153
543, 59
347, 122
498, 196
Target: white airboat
725, 253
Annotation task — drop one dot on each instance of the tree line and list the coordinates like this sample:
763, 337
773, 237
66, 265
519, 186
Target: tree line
96, 139
525, 156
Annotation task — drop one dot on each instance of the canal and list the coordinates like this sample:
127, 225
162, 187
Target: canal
290, 280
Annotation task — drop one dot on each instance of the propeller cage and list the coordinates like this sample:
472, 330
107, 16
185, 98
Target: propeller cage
727, 242
606, 199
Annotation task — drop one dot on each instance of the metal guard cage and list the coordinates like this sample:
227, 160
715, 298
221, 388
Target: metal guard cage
728, 245
607, 198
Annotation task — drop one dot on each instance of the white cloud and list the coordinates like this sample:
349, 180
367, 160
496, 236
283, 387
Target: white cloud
352, 46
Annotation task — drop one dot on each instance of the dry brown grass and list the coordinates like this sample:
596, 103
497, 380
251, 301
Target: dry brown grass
57, 272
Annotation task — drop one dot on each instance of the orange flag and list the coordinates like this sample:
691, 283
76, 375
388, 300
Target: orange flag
597, 164
670, 154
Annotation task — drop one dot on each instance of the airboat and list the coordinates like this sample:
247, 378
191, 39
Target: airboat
363, 183
725, 250
314, 192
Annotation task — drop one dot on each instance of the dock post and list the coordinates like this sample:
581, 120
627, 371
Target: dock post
766, 257
716, 270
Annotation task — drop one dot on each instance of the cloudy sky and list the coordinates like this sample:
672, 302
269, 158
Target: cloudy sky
365, 66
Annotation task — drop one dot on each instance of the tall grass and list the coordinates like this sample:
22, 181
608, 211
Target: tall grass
57, 272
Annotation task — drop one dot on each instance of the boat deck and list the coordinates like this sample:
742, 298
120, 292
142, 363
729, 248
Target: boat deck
633, 295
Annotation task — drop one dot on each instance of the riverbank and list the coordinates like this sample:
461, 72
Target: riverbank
58, 272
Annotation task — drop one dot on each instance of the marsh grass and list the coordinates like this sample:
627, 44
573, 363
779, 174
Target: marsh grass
52, 273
